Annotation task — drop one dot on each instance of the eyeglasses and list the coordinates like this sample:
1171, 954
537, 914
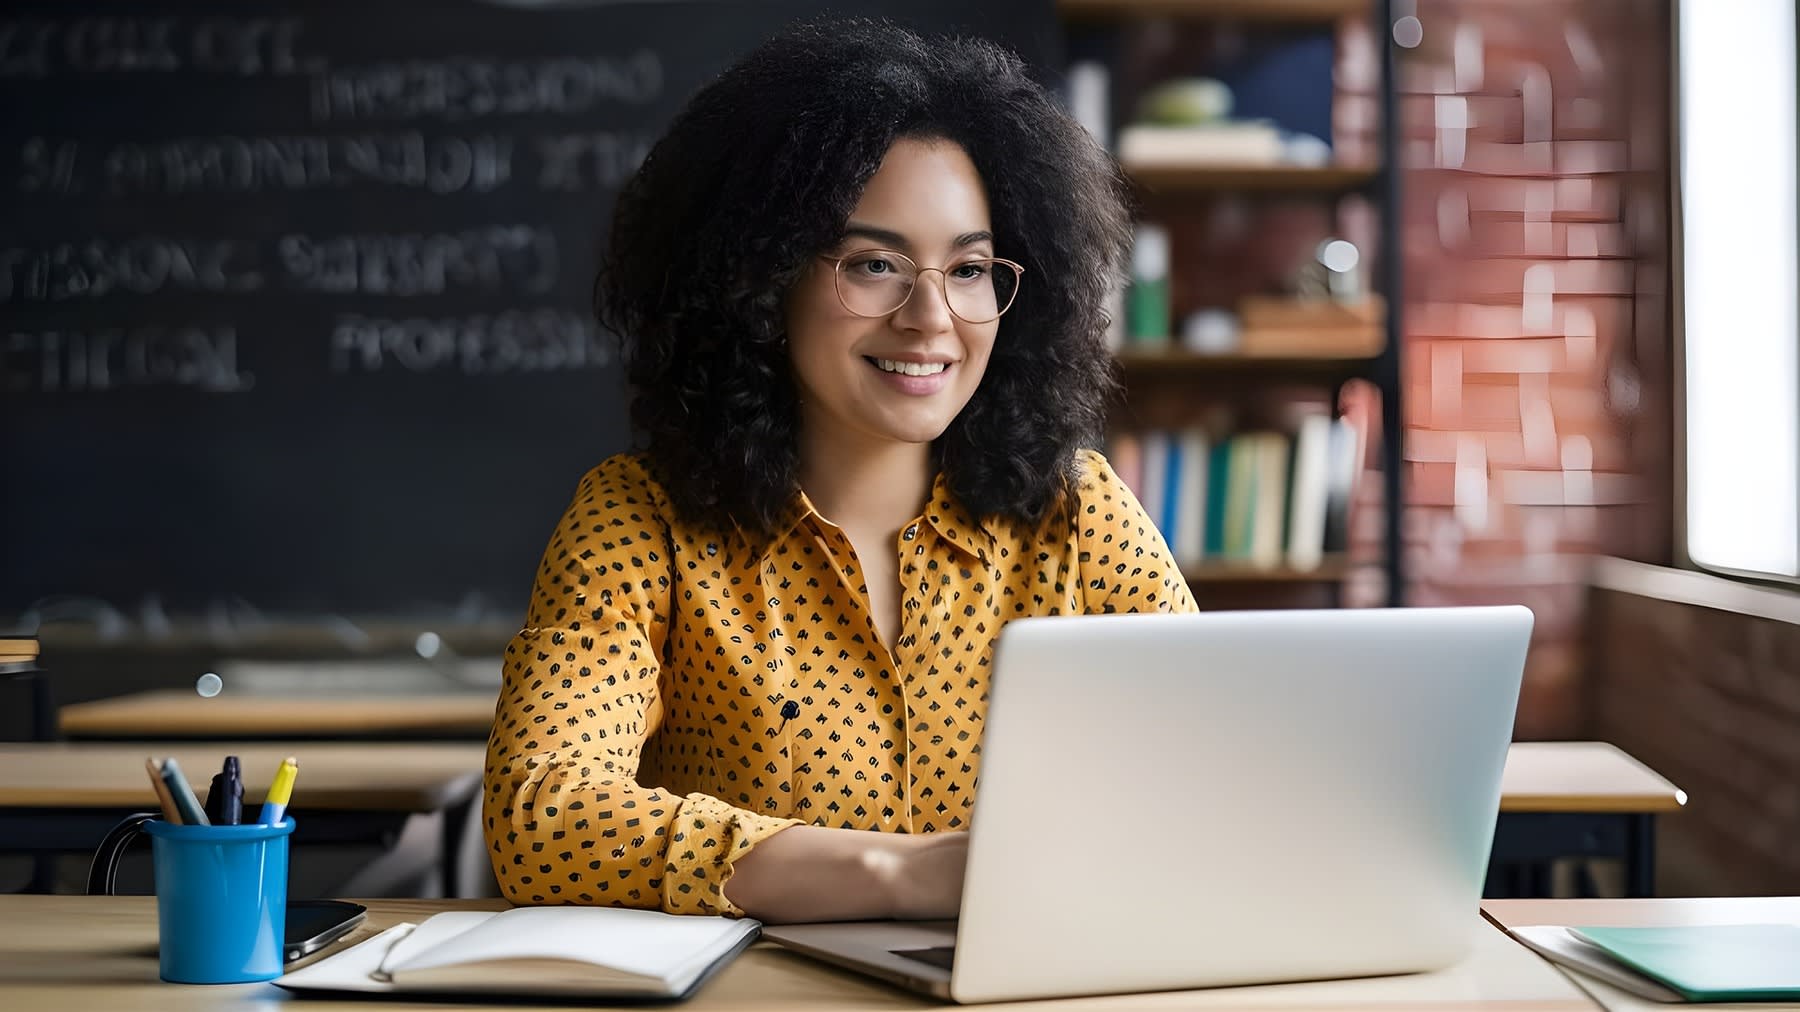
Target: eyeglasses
877, 282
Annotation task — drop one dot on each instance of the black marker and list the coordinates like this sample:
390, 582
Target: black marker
225, 799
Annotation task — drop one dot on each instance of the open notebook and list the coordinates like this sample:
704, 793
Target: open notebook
535, 951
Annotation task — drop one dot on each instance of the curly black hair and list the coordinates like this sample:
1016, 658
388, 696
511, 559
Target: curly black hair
759, 173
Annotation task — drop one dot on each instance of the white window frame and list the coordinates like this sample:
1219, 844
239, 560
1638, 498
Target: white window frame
1737, 288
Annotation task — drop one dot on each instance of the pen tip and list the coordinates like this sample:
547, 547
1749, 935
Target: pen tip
291, 761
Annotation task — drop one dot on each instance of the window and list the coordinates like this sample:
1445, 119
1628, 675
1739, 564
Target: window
1735, 95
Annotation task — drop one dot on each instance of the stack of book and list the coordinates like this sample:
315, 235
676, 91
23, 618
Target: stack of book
20, 675
1264, 499
17, 650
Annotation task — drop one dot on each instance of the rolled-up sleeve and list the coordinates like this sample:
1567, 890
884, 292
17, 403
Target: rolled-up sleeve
566, 820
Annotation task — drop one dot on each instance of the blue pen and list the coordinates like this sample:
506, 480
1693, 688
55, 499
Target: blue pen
185, 801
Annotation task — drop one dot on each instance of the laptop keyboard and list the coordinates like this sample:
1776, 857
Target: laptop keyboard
939, 956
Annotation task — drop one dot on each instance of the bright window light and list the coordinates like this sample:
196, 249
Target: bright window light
1739, 252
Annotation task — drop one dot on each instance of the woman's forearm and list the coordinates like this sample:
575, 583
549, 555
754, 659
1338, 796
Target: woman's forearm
810, 873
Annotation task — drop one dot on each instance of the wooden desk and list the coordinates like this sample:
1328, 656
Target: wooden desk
100, 952
1583, 776
1579, 799
179, 713
1646, 913
64, 797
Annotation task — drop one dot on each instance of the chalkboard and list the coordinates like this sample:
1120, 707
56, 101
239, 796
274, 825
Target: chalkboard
294, 297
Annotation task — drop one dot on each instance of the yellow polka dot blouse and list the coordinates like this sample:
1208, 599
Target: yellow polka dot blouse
679, 695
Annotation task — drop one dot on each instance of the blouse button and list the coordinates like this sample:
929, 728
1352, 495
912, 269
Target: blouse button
911, 532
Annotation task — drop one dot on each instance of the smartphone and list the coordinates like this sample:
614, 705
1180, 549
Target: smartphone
314, 924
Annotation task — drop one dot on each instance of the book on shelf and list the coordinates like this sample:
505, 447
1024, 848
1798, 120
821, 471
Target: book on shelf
535, 951
1252, 143
1269, 470
1309, 493
1677, 963
1238, 498
1262, 499
1347, 449
18, 649
1187, 520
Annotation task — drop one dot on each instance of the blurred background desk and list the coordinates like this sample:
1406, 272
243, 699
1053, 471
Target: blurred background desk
63, 797
441, 696
1576, 799
1559, 800
178, 713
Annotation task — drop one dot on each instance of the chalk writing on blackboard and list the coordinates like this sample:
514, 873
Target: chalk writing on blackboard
34, 48
517, 259
477, 163
296, 163
544, 340
504, 258
141, 265
459, 89
94, 361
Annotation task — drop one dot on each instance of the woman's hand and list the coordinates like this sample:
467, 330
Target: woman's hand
809, 873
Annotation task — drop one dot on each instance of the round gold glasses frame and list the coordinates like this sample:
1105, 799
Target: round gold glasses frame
978, 300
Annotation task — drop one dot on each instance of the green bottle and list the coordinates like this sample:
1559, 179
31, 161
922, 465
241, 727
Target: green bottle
1147, 309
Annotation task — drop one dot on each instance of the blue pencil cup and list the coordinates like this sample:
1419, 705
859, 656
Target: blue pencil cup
221, 900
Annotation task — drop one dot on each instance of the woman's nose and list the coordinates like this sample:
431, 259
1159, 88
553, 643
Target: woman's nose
927, 306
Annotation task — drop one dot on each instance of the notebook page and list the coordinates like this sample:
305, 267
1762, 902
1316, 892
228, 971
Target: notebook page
647, 943
361, 967
436, 930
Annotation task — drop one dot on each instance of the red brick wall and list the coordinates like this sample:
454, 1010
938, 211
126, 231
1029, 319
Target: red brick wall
1536, 347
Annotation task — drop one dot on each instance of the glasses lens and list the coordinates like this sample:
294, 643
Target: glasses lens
876, 282
980, 290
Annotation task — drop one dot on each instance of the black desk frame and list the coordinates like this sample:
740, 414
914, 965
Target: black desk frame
1525, 843
51, 831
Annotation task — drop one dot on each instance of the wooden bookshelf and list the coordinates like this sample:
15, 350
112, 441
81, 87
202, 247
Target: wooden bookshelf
1277, 12
1164, 180
1141, 364
1331, 570
1294, 358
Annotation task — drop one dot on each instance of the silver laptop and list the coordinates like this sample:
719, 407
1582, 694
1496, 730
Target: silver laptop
1179, 801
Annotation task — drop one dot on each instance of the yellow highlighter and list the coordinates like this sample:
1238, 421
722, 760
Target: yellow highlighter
276, 802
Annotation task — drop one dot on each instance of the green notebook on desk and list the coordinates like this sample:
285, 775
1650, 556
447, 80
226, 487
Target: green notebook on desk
1711, 962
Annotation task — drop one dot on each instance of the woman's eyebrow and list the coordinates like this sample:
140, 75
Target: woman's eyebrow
889, 237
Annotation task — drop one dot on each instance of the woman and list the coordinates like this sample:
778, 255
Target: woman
860, 282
